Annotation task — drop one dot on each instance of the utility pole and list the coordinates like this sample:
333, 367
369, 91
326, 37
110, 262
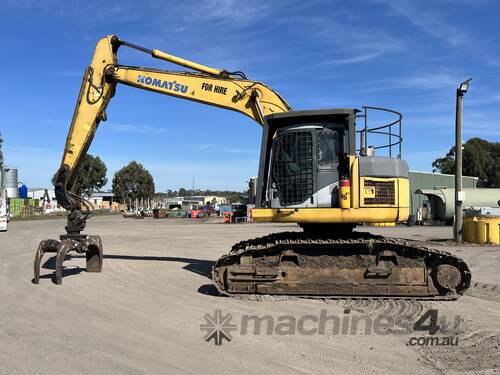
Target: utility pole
459, 196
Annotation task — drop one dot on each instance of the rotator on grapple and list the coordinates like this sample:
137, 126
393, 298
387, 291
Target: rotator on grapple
310, 173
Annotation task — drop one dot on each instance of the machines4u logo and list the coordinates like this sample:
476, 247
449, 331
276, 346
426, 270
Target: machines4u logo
168, 85
218, 327
432, 331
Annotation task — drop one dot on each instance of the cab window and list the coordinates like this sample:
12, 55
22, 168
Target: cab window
328, 147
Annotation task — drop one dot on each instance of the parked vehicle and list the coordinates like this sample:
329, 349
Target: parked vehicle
199, 213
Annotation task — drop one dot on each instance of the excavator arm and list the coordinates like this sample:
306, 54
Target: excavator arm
210, 86
215, 87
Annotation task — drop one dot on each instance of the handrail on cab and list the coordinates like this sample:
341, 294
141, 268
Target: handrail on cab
394, 136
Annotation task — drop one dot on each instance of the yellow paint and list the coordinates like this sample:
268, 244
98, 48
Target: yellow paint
403, 192
390, 224
330, 215
232, 94
401, 195
354, 178
345, 196
91, 104
183, 62
229, 93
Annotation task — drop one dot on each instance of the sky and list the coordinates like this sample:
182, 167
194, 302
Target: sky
409, 56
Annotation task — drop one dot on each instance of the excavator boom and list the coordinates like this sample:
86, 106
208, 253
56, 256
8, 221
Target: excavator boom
208, 86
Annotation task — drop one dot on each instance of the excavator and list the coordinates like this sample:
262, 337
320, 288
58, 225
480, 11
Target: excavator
310, 173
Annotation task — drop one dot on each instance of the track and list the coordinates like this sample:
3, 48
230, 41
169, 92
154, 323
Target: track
361, 265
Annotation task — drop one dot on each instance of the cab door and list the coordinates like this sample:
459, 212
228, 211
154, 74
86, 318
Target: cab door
329, 147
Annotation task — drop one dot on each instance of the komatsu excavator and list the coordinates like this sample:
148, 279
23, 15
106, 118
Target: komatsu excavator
310, 173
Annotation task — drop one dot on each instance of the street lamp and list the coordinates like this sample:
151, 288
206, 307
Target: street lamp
464, 86
459, 196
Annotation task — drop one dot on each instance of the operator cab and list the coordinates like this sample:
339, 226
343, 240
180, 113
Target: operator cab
307, 156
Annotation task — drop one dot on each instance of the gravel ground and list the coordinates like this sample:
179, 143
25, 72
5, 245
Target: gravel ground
142, 314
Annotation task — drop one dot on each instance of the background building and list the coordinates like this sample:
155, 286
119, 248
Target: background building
442, 201
102, 199
433, 181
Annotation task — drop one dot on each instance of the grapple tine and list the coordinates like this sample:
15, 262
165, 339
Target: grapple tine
46, 246
93, 253
38, 259
64, 247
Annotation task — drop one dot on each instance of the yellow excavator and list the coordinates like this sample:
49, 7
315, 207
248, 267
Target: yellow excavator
310, 173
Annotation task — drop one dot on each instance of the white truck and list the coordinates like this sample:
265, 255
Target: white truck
4, 216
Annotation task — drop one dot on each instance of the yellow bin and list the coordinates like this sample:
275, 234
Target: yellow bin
482, 229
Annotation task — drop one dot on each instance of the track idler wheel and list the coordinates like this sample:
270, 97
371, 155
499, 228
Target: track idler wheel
91, 246
447, 277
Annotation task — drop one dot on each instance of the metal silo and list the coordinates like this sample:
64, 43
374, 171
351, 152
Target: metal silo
9, 181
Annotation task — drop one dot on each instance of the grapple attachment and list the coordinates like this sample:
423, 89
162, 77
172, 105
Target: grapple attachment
91, 246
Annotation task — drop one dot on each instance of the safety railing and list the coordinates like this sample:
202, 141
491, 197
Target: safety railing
391, 130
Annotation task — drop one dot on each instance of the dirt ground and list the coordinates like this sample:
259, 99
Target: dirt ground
142, 314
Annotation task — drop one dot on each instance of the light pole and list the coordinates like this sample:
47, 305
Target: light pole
459, 196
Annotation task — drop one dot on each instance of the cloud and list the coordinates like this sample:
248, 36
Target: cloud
481, 124
427, 81
486, 129
207, 174
67, 73
233, 12
429, 21
239, 150
486, 97
355, 59
421, 160
133, 128
420, 81
474, 124
31, 171
88, 13
350, 44
209, 147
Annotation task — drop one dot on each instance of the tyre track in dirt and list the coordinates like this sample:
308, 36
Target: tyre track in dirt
490, 292
477, 349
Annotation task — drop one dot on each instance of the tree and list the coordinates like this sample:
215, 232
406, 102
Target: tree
1, 153
91, 175
133, 182
480, 159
